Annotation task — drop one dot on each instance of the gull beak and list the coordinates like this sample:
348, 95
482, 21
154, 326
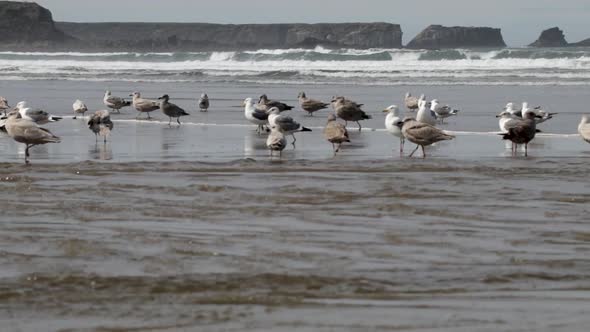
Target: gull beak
385, 111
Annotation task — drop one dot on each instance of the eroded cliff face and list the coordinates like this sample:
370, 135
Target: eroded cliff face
24, 24
550, 38
201, 36
438, 36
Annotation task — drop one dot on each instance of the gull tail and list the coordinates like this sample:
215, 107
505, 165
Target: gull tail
54, 118
366, 116
305, 129
455, 112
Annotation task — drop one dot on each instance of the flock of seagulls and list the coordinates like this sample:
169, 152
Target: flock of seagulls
518, 125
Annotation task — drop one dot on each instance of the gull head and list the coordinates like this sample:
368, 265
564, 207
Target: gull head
21, 105
248, 102
585, 119
107, 93
263, 99
301, 95
392, 108
331, 117
164, 98
408, 95
135, 94
504, 114
204, 96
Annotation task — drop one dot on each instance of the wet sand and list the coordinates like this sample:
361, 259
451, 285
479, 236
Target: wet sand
197, 228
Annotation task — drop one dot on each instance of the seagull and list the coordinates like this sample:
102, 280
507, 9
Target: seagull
391, 119
276, 141
79, 108
100, 124
348, 110
442, 112
113, 102
411, 102
3, 105
36, 115
522, 132
144, 105
425, 114
584, 128
421, 134
267, 104
252, 114
284, 123
204, 102
335, 133
310, 105
28, 132
171, 110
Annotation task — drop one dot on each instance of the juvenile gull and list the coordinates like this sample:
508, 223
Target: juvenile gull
204, 102
113, 102
36, 115
310, 105
276, 141
28, 132
284, 123
522, 132
421, 134
412, 103
335, 133
100, 124
171, 110
442, 111
79, 108
425, 114
254, 115
348, 110
391, 120
4, 105
584, 128
266, 104
144, 105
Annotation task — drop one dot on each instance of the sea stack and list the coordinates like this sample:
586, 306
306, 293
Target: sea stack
550, 38
438, 36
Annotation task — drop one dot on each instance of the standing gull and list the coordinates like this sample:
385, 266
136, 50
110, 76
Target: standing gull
442, 112
276, 141
522, 132
254, 115
28, 132
171, 110
412, 103
36, 115
144, 105
100, 124
425, 114
310, 105
79, 108
204, 102
348, 110
584, 128
113, 102
421, 134
335, 133
284, 123
391, 120
3, 105
266, 104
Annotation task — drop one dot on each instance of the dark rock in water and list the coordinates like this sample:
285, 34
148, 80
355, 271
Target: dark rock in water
583, 43
438, 36
26, 24
213, 37
550, 38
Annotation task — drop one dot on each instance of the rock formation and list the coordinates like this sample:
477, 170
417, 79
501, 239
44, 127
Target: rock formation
550, 38
438, 36
215, 37
26, 24
583, 43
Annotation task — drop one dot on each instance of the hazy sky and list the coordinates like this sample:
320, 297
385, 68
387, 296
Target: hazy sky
521, 21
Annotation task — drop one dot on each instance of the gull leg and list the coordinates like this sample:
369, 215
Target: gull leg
169, 120
416, 149
358, 123
149, 117
178, 120
27, 154
423, 152
294, 140
333, 147
526, 145
338, 148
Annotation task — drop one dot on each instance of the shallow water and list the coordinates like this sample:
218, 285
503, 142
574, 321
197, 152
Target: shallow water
197, 228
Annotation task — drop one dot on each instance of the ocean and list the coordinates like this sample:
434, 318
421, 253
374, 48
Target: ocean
196, 227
